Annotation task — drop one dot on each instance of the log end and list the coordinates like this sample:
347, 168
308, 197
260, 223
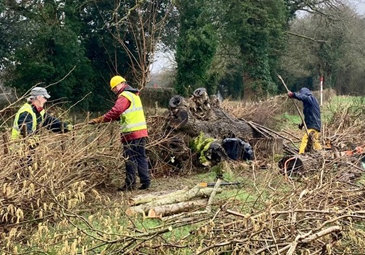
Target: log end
153, 215
179, 119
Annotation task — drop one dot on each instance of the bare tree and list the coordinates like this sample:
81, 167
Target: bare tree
144, 22
329, 43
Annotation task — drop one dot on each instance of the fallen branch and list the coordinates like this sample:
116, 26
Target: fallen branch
307, 238
212, 195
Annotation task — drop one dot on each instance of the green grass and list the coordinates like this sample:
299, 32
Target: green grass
291, 119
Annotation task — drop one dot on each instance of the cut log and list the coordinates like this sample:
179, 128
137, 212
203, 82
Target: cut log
146, 198
197, 191
212, 196
165, 210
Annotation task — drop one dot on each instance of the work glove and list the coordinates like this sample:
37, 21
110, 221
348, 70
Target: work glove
96, 120
32, 142
301, 125
69, 127
290, 94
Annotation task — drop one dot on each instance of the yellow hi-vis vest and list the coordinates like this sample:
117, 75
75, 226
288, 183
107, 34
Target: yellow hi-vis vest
15, 132
133, 118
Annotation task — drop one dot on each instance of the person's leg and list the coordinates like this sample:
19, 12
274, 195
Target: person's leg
303, 145
142, 162
130, 164
317, 145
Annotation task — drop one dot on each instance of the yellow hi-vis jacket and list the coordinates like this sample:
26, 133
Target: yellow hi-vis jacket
133, 118
15, 132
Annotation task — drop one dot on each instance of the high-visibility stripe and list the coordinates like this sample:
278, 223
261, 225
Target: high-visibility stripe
133, 125
134, 110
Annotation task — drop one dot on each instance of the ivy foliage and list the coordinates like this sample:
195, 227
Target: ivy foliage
196, 47
234, 45
257, 29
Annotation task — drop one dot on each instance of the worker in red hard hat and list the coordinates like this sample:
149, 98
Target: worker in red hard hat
128, 110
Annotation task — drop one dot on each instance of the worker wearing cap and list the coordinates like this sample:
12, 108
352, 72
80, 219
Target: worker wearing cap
129, 112
31, 116
312, 118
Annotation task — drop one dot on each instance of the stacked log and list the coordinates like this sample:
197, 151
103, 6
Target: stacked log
158, 205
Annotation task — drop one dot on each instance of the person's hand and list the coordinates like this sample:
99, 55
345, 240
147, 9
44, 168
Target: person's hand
301, 125
32, 142
96, 120
290, 94
69, 127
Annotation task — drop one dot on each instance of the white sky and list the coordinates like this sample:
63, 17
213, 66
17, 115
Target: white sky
163, 60
359, 6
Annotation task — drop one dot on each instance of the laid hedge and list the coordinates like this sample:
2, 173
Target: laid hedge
151, 95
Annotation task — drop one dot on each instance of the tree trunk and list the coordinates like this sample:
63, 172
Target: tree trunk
203, 114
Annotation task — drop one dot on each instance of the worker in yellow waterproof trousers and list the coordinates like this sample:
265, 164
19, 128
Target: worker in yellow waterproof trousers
312, 120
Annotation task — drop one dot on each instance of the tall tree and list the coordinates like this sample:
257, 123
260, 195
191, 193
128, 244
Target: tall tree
257, 29
98, 38
196, 46
48, 49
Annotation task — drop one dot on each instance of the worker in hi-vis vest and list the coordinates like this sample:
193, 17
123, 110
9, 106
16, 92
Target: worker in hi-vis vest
129, 112
32, 116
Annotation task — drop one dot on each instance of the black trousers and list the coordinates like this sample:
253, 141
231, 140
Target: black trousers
135, 153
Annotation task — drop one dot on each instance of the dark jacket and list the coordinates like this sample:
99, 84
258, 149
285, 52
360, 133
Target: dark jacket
49, 122
311, 110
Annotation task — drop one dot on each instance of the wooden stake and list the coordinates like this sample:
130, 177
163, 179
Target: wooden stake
6, 143
300, 113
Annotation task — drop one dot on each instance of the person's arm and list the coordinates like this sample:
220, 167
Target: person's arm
26, 119
54, 124
119, 107
300, 97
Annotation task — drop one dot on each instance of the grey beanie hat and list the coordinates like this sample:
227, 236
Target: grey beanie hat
39, 91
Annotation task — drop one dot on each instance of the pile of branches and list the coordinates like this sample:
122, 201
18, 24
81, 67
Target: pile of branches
60, 175
320, 219
317, 216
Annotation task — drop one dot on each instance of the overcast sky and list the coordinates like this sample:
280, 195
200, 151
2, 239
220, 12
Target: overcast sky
359, 6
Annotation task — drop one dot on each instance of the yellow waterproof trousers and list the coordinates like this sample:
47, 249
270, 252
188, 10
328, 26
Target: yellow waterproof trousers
316, 143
